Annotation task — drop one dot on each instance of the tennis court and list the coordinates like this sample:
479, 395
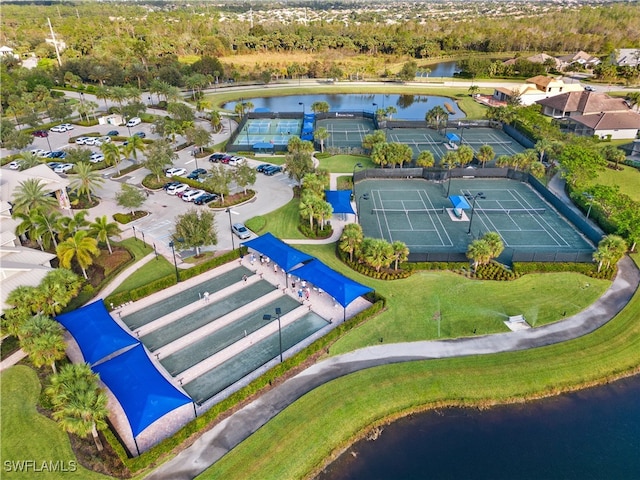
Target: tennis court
418, 213
345, 132
274, 131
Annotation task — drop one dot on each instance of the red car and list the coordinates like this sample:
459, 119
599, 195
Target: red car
40, 133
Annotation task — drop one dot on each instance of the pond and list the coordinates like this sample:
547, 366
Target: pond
409, 107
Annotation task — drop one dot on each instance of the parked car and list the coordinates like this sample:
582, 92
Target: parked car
175, 189
61, 128
44, 153
234, 160
63, 167
170, 184
589, 88
53, 165
216, 157
241, 231
96, 158
82, 140
205, 198
261, 167
68, 126
134, 121
89, 140
272, 170
57, 154
140, 134
175, 172
40, 133
113, 133
38, 152
196, 173
15, 165
191, 195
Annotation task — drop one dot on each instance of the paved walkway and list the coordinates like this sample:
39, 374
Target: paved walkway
215, 443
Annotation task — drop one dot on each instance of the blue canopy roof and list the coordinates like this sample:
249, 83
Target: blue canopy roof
144, 394
459, 202
262, 145
261, 110
343, 289
452, 137
97, 334
285, 256
340, 200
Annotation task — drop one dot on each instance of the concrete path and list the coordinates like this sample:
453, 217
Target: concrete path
215, 443
115, 283
12, 359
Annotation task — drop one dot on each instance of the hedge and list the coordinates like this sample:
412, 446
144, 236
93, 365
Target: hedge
383, 274
589, 269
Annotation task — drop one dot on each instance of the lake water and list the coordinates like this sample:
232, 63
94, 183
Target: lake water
410, 107
443, 69
591, 434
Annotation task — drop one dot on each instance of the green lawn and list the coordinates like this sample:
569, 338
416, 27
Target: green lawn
345, 163
137, 248
298, 441
628, 179
148, 273
283, 222
28, 436
465, 305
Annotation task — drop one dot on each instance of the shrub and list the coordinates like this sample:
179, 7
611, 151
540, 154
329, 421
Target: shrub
494, 271
589, 269
383, 274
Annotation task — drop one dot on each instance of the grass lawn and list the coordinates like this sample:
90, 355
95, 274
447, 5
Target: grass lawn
345, 163
282, 222
28, 436
149, 272
628, 179
298, 441
465, 305
137, 248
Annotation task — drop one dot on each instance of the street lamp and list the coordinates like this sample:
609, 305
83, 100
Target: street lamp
473, 208
300, 103
134, 232
364, 196
267, 318
229, 211
149, 98
589, 197
175, 263
353, 180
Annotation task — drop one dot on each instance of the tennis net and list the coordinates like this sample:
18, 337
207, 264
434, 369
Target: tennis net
512, 211
484, 142
407, 211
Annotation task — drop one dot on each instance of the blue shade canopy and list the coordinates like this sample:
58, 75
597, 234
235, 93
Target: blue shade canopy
340, 200
285, 256
459, 202
261, 110
452, 137
343, 289
262, 145
97, 334
144, 394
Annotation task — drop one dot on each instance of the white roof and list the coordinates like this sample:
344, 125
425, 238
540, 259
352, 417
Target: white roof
11, 179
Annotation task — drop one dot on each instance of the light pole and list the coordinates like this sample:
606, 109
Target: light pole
149, 98
134, 232
229, 211
449, 181
300, 103
589, 197
364, 196
353, 180
267, 318
375, 109
473, 208
175, 263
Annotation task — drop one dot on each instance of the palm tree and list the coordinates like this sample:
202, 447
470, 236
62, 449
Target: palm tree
24, 296
134, 145
216, 121
320, 135
437, 117
479, 252
465, 154
47, 226
449, 160
58, 288
425, 159
308, 206
27, 228
41, 338
377, 253
30, 195
79, 405
610, 249
14, 318
67, 226
102, 229
494, 241
485, 154
111, 154
503, 161
81, 247
86, 180
351, 239
400, 252
29, 160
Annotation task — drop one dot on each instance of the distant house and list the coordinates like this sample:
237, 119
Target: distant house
573, 104
626, 57
535, 88
581, 58
613, 125
7, 52
543, 58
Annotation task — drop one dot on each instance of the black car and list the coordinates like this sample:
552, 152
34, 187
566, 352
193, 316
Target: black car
272, 170
168, 184
140, 134
216, 157
260, 168
57, 154
205, 198
196, 173
113, 133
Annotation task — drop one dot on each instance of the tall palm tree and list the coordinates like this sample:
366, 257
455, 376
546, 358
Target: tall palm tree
485, 154
47, 226
495, 243
425, 159
58, 287
86, 180
111, 154
29, 160
134, 146
400, 253
31, 194
42, 339
79, 405
351, 239
377, 253
81, 247
28, 226
437, 117
308, 207
102, 229
68, 226
479, 252
610, 249
320, 135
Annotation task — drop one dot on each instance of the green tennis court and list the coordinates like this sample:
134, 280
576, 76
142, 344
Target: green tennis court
346, 132
274, 131
418, 213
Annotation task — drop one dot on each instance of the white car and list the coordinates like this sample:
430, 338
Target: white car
81, 140
15, 165
191, 195
68, 126
175, 172
89, 140
96, 158
65, 127
38, 152
98, 142
44, 153
134, 121
63, 167
175, 189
